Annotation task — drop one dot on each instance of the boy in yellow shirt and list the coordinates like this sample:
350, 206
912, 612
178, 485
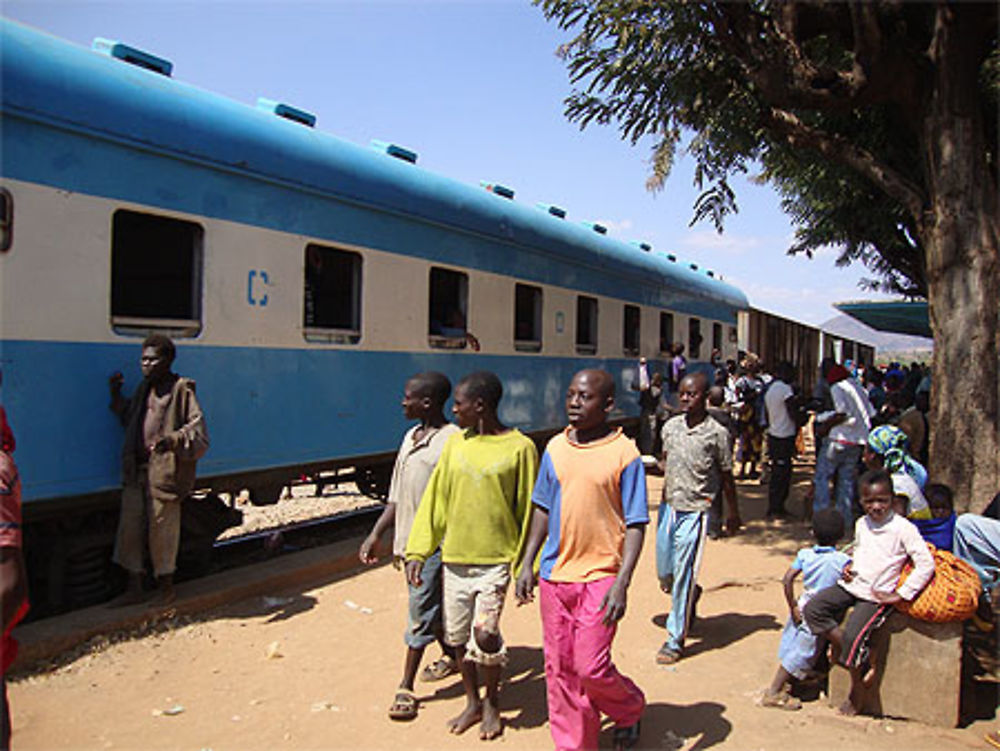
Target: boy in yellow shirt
476, 507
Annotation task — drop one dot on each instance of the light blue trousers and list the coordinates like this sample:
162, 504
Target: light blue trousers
977, 541
680, 540
841, 461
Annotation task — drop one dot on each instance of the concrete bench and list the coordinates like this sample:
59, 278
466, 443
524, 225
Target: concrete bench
919, 672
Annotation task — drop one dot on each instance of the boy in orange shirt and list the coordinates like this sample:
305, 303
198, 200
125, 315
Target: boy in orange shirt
590, 503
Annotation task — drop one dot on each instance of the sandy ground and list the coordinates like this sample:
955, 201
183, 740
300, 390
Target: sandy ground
316, 668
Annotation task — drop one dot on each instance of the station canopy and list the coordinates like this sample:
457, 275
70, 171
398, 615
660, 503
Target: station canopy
896, 316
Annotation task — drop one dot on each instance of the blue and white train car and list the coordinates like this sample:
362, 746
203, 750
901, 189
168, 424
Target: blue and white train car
302, 277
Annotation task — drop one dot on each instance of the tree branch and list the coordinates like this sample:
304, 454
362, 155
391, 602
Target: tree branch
797, 134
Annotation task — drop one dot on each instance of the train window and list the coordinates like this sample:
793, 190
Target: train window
717, 336
332, 300
449, 308
586, 325
155, 274
694, 338
527, 318
6, 220
630, 330
666, 332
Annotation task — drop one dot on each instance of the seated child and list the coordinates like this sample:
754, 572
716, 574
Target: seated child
940, 528
883, 541
820, 566
476, 507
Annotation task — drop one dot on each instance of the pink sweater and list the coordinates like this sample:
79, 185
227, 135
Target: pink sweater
880, 551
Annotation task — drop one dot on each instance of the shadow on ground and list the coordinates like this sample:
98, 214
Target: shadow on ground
671, 726
718, 631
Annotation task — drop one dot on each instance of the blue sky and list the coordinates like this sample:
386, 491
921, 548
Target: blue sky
476, 89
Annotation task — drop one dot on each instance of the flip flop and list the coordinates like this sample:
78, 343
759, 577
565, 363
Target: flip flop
993, 738
627, 737
404, 706
783, 700
667, 656
439, 669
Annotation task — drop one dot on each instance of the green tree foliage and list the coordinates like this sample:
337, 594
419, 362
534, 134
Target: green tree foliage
825, 96
876, 120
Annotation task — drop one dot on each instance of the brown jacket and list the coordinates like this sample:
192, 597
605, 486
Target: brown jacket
171, 473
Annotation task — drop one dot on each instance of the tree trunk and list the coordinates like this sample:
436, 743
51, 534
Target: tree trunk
960, 234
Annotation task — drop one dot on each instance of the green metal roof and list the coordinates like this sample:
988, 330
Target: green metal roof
897, 316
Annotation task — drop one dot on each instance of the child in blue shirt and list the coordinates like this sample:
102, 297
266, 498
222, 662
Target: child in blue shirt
820, 567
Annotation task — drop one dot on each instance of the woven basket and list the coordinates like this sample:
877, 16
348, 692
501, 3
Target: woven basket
952, 593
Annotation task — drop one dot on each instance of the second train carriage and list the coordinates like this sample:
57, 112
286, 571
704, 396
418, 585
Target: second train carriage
302, 277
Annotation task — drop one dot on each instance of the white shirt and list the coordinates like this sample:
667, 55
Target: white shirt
850, 399
779, 423
880, 551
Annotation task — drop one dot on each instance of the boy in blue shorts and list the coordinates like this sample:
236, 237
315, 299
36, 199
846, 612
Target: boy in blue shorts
476, 507
820, 567
424, 397
590, 503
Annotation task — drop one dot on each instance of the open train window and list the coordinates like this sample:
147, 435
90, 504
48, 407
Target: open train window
449, 308
717, 336
586, 325
6, 220
630, 330
155, 274
694, 338
527, 318
666, 333
332, 300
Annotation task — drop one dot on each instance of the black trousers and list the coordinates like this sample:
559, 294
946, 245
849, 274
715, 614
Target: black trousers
780, 452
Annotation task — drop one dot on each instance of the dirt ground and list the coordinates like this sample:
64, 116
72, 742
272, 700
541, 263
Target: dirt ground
316, 668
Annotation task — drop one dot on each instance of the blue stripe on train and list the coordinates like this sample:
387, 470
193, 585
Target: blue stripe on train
264, 407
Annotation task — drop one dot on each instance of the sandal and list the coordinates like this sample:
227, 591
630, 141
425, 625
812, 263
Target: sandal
993, 738
439, 669
783, 700
667, 656
404, 706
627, 737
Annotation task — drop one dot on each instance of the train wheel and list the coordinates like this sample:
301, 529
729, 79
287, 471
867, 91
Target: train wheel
374, 481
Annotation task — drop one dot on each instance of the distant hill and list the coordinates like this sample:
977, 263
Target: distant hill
884, 342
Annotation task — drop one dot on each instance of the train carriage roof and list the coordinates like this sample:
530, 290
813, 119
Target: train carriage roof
49, 80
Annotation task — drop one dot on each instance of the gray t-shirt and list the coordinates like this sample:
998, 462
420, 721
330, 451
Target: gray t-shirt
696, 459
414, 464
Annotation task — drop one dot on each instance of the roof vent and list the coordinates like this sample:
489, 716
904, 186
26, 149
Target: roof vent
694, 266
598, 228
500, 190
672, 258
395, 150
711, 273
554, 210
132, 55
287, 111
643, 246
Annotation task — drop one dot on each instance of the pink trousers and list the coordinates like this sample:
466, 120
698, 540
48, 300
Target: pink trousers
581, 679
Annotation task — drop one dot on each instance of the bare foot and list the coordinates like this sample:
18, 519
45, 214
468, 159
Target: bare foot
472, 714
129, 597
492, 726
847, 709
163, 598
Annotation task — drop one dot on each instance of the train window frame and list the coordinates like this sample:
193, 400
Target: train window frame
717, 336
148, 235
587, 308
344, 327
6, 220
438, 335
631, 329
695, 338
667, 341
528, 305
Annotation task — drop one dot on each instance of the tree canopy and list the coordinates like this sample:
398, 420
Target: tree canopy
825, 96
876, 120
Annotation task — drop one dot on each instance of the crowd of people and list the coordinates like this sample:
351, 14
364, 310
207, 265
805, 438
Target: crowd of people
473, 508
